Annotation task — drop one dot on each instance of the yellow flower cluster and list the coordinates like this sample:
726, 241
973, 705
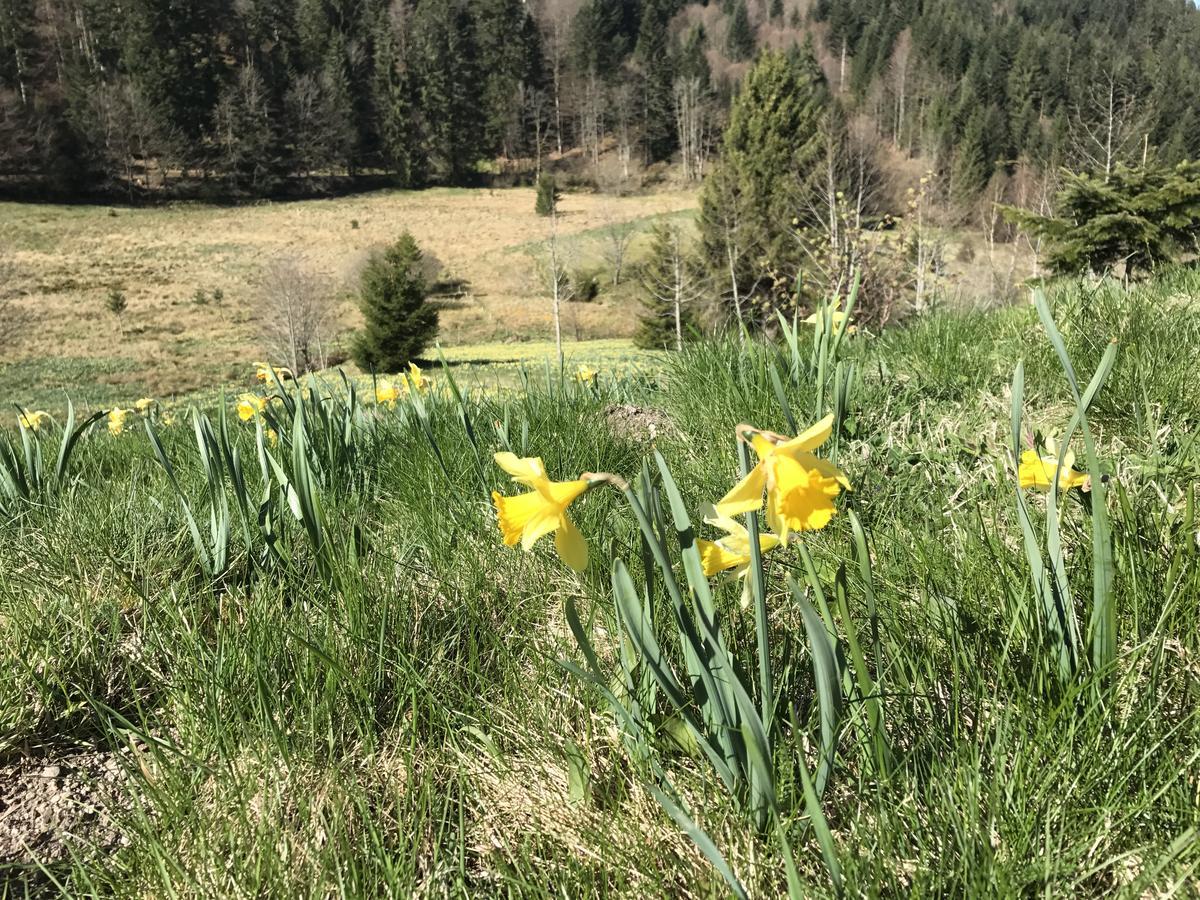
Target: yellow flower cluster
264, 372
387, 393
799, 490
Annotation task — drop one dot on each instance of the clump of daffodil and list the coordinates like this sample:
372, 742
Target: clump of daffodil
249, 406
1038, 471
32, 420
837, 318
116, 420
732, 552
144, 404
586, 375
527, 517
385, 392
264, 371
800, 487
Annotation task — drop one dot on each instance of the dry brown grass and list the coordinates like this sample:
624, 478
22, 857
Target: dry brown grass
67, 259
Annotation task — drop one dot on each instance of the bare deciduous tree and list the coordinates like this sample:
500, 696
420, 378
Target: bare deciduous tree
297, 315
693, 126
672, 282
552, 267
618, 234
1109, 125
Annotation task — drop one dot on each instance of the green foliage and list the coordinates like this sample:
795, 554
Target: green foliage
765, 183
546, 202
1137, 218
667, 281
281, 733
116, 302
739, 39
398, 322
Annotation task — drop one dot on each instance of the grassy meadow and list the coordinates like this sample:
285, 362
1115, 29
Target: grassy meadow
165, 259
317, 671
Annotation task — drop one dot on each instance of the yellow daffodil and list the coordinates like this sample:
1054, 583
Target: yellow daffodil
272, 438
1038, 471
166, 419
385, 392
800, 487
417, 379
249, 406
116, 420
838, 317
527, 517
731, 552
143, 405
33, 420
586, 375
262, 371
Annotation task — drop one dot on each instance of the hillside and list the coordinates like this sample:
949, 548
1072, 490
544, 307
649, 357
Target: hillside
293, 657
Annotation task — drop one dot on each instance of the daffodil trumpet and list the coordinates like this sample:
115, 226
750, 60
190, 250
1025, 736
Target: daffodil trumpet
799, 487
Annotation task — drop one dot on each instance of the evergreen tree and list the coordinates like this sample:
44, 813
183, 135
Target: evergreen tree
546, 203
655, 65
449, 88
668, 285
765, 184
1137, 218
972, 168
739, 40
173, 51
510, 57
398, 322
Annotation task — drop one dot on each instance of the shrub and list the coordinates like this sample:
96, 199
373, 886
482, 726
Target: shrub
547, 195
116, 302
585, 285
398, 322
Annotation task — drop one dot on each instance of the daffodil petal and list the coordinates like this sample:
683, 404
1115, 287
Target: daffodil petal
746, 495
812, 437
525, 471
571, 546
716, 558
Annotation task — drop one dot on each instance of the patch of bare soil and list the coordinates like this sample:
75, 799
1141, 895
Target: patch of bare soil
50, 805
639, 423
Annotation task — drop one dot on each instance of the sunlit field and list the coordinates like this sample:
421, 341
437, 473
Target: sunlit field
192, 275
834, 614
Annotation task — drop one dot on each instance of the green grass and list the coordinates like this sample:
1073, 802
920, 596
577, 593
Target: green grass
400, 722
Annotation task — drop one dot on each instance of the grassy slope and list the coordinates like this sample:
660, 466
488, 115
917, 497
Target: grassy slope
410, 730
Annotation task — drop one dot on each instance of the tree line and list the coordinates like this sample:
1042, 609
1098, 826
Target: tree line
251, 97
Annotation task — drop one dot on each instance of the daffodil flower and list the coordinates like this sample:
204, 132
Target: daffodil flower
586, 375
263, 372
32, 420
116, 420
800, 487
417, 379
249, 406
527, 517
837, 318
731, 552
385, 392
1038, 471
143, 404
